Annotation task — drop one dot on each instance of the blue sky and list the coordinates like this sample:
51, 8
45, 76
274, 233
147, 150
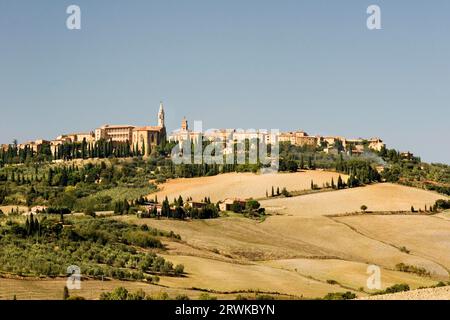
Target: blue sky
310, 65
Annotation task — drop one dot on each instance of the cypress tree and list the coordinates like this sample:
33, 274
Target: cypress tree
27, 226
65, 293
339, 183
31, 225
126, 207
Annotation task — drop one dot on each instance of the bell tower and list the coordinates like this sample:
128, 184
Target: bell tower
161, 115
184, 124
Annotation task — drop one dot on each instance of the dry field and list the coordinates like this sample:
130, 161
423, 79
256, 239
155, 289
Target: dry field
345, 243
52, 289
377, 197
442, 293
283, 237
242, 185
427, 237
297, 249
347, 273
232, 277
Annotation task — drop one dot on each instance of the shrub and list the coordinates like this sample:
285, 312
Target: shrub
163, 296
340, 296
90, 212
75, 298
251, 205
412, 269
285, 193
58, 210
397, 288
264, 297
119, 293
179, 269
206, 296
442, 204
237, 207
142, 239
404, 249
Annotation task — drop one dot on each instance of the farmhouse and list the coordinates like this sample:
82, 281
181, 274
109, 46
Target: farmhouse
226, 204
196, 204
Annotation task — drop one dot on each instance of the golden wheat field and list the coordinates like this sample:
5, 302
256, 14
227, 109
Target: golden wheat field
233, 277
347, 273
52, 289
300, 240
377, 197
242, 185
304, 248
442, 293
423, 236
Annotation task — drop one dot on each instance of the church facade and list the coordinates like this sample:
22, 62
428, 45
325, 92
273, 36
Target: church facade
146, 139
143, 139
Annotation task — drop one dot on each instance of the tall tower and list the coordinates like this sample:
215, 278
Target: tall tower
184, 124
161, 115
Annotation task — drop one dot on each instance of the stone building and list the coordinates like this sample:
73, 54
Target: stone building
143, 139
376, 144
146, 139
298, 138
185, 134
116, 133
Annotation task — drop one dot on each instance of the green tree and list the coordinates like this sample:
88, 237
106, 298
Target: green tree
285, 193
179, 269
302, 162
251, 205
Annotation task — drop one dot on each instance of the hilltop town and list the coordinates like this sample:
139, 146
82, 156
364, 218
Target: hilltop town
143, 140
